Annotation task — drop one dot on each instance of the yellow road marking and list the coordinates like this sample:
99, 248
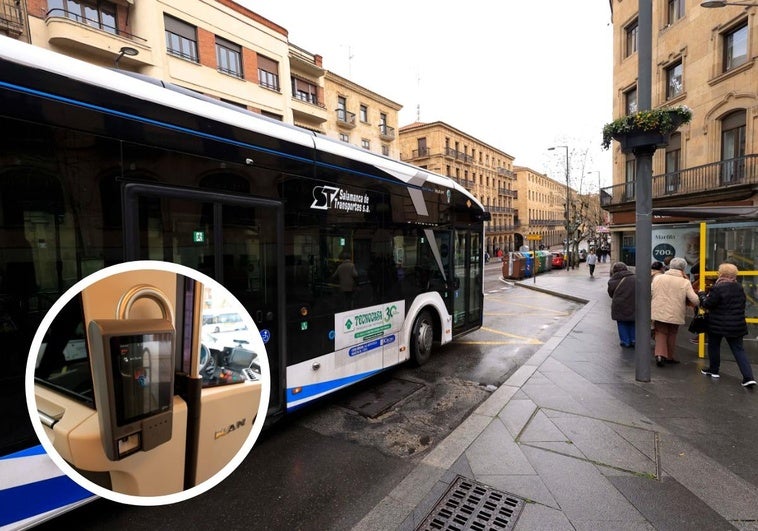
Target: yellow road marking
521, 339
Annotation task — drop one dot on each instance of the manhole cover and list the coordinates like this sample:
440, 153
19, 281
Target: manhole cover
375, 401
468, 504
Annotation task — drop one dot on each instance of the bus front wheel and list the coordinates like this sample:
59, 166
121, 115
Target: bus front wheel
422, 338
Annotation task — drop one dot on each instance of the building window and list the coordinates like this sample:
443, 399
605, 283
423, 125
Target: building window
673, 163
735, 47
268, 73
345, 137
94, 13
363, 116
631, 32
733, 146
385, 150
383, 129
630, 101
272, 115
342, 108
228, 57
235, 103
365, 143
674, 85
181, 38
675, 10
423, 149
304, 90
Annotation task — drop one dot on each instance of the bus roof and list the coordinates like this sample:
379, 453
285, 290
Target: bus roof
166, 94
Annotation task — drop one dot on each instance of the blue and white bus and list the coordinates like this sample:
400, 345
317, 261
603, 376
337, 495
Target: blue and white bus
100, 167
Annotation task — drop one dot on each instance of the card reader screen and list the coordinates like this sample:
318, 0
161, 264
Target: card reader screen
142, 373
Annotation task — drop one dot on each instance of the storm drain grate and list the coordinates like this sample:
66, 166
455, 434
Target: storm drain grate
468, 505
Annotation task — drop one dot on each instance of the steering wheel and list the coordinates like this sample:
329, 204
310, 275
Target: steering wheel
207, 361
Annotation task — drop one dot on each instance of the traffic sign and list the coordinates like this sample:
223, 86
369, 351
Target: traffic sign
533, 236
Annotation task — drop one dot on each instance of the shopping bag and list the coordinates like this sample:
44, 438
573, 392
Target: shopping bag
699, 323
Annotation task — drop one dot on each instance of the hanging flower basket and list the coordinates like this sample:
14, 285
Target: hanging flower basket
645, 128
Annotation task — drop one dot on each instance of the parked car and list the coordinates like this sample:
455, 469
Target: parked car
557, 261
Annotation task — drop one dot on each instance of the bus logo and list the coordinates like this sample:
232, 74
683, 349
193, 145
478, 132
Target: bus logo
323, 197
326, 197
230, 428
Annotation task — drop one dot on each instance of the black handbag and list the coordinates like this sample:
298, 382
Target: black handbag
699, 323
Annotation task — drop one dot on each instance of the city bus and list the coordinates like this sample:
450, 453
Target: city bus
100, 167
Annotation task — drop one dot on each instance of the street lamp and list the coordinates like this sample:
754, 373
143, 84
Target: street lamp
568, 201
125, 50
719, 3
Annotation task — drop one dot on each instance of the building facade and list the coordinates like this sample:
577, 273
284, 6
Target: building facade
361, 117
214, 47
485, 171
707, 60
541, 209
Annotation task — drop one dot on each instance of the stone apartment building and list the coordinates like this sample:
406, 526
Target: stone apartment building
706, 59
218, 48
541, 208
484, 170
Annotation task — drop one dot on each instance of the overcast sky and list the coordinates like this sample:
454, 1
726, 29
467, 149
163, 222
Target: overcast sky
520, 76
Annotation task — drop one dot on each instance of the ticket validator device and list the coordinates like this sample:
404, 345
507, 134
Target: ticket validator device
133, 370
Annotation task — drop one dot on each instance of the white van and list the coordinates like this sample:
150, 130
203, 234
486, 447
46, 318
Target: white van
222, 321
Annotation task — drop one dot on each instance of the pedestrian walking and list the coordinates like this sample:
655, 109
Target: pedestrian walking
725, 304
671, 294
657, 268
621, 288
592, 262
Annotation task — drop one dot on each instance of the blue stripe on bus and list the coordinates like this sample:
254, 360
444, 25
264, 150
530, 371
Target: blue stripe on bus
313, 390
29, 500
194, 132
34, 450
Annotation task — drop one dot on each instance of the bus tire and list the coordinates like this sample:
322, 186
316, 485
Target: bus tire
422, 338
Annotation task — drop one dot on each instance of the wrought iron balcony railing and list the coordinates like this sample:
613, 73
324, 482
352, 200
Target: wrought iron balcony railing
720, 176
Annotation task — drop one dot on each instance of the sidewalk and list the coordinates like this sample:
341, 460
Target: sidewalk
573, 441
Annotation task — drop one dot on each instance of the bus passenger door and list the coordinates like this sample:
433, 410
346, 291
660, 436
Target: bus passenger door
467, 280
231, 238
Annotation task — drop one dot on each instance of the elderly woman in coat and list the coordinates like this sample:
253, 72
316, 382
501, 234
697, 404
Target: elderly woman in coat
671, 293
725, 304
621, 291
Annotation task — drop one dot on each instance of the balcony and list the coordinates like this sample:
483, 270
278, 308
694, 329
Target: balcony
420, 153
505, 172
345, 119
545, 222
308, 111
94, 37
508, 193
386, 132
11, 18
731, 179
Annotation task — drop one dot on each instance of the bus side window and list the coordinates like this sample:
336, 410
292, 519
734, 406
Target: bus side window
64, 360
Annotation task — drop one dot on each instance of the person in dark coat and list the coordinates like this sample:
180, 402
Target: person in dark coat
725, 305
621, 291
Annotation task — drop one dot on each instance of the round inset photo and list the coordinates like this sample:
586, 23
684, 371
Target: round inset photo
147, 383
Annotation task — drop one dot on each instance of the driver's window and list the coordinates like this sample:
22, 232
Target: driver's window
225, 339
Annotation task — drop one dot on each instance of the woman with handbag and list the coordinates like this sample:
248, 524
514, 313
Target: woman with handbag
671, 293
725, 303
